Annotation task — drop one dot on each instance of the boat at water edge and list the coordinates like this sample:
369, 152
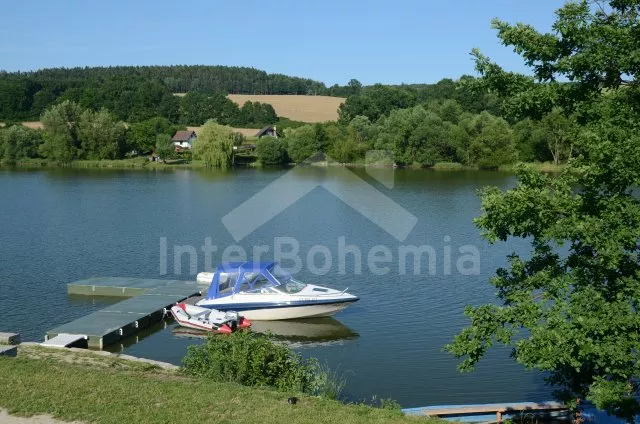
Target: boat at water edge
262, 291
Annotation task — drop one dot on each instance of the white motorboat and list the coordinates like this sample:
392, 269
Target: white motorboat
262, 291
207, 319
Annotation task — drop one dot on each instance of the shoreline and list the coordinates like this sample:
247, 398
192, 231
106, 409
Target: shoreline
145, 164
86, 386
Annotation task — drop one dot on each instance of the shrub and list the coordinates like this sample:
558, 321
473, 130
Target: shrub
271, 151
251, 360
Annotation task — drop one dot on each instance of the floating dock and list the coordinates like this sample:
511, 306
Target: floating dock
148, 302
492, 412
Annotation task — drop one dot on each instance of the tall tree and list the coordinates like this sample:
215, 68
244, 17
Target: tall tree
164, 147
19, 142
559, 132
101, 135
214, 145
142, 135
571, 312
61, 132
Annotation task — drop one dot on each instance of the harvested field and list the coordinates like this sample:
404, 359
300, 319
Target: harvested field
36, 125
297, 108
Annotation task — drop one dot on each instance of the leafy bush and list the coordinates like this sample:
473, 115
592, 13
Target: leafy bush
271, 151
255, 360
251, 360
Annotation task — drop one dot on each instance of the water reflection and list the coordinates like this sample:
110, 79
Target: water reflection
299, 332
139, 336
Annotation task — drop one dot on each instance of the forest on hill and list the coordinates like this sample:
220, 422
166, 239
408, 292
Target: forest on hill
115, 111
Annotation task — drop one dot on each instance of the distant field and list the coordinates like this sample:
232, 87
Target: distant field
36, 125
297, 108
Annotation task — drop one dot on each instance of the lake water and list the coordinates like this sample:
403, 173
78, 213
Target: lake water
62, 225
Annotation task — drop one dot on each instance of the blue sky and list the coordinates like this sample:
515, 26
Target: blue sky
332, 41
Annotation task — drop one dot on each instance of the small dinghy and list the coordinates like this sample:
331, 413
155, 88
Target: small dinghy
192, 316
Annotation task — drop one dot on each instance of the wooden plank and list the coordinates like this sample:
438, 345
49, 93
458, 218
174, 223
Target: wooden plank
501, 408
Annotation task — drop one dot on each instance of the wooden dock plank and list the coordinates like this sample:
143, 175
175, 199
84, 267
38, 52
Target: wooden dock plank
550, 406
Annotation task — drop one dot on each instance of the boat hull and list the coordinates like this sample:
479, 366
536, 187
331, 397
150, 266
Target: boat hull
283, 312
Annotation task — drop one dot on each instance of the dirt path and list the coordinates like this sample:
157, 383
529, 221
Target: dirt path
5, 418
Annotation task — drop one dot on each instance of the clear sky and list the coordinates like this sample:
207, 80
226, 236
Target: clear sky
332, 40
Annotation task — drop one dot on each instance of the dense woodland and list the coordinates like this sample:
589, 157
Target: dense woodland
453, 121
25, 95
449, 122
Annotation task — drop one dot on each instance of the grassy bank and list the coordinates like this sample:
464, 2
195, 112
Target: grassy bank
88, 387
144, 163
134, 163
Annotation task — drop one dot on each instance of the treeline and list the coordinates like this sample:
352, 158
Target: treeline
72, 132
425, 134
197, 108
136, 93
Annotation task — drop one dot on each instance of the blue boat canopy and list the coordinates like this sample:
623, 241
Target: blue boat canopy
234, 277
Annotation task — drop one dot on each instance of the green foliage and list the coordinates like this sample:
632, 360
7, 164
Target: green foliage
19, 142
101, 135
197, 108
327, 382
378, 100
214, 145
255, 114
61, 132
271, 151
164, 147
72, 133
491, 141
251, 360
304, 142
571, 312
416, 136
142, 135
136, 93
559, 131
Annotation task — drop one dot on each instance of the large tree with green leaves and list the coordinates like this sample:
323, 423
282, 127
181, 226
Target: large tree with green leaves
61, 132
214, 145
19, 142
101, 135
572, 311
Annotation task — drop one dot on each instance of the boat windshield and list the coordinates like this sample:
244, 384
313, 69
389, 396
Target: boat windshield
287, 283
290, 286
254, 282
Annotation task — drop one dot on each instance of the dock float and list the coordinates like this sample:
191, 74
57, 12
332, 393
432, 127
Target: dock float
65, 340
148, 302
493, 412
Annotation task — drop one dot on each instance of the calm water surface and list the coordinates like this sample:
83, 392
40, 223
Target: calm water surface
65, 224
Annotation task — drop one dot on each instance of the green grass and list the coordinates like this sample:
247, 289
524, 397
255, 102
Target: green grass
449, 166
133, 163
540, 166
105, 390
144, 163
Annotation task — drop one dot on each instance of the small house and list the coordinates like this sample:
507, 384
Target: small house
267, 131
183, 140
